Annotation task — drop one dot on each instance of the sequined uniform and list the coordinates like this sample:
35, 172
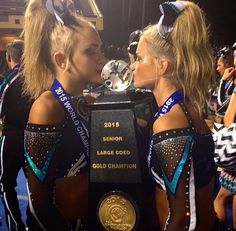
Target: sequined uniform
52, 152
181, 164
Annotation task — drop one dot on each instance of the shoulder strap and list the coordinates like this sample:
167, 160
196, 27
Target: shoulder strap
188, 116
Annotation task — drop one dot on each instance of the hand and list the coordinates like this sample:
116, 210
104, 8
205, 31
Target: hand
228, 73
209, 123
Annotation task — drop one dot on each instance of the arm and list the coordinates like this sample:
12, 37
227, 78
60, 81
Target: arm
41, 140
222, 91
173, 154
176, 168
231, 110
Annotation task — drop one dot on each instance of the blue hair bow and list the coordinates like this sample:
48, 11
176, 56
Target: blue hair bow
170, 11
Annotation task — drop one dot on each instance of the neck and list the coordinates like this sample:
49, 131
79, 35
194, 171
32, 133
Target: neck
13, 64
163, 91
72, 87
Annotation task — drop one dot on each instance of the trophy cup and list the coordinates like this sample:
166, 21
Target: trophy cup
118, 181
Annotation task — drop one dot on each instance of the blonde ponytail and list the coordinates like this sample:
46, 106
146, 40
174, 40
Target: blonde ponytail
187, 47
38, 69
194, 65
43, 36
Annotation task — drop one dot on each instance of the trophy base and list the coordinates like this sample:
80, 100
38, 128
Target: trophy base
119, 196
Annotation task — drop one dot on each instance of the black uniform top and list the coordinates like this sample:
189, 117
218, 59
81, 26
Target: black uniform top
182, 164
16, 107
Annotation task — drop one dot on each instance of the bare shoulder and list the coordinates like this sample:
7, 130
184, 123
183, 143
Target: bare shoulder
46, 110
172, 120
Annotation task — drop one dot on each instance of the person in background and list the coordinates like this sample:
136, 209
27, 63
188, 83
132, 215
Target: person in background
175, 61
4, 69
63, 53
14, 109
230, 114
225, 65
234, 50
227, 178
225, 68
133, 43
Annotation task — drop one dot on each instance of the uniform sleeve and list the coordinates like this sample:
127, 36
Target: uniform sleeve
172, 162
41, 145
221, 93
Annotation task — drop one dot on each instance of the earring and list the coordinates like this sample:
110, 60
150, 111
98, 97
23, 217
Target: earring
63, 65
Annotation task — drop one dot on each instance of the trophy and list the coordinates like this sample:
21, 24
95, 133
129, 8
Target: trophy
117, 75
120, 122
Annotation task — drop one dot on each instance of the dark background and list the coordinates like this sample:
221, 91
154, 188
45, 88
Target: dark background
121, 17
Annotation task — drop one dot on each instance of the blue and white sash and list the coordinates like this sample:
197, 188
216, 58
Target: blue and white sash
165, 108
65, 100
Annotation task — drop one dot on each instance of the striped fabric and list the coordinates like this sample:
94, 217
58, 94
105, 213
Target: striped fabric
225, 145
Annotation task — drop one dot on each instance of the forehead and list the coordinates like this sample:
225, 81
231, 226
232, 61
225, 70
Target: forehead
220, 61
87, 36
142, 46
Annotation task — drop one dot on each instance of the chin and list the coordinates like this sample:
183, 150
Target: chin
96, 79
138, 84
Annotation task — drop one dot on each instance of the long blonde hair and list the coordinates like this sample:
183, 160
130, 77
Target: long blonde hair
189, 52
43, 35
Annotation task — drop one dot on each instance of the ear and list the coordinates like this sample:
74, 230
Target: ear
164, 66
59, 59
8, 58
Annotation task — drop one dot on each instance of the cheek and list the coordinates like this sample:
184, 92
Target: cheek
92, 70
137, 73
144, 75
83, 67
86, 65
221, 69
140, 70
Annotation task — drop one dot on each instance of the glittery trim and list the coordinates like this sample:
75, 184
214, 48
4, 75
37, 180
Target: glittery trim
173, 183
40, 173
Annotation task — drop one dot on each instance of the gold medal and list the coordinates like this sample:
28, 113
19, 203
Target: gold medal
116, 212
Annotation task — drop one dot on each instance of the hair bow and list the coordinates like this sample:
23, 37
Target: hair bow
224, 52
170, 11
59, 8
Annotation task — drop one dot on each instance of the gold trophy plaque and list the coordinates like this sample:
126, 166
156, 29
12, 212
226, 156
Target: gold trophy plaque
117, 212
